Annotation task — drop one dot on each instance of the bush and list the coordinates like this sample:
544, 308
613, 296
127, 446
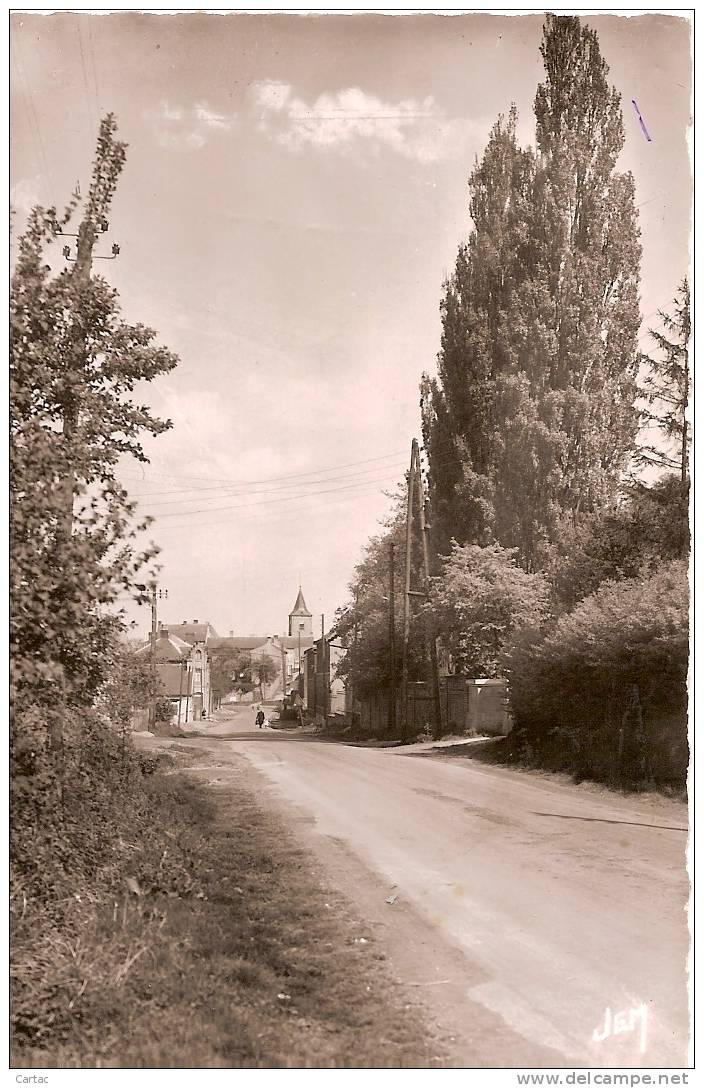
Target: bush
605, 690
480, 600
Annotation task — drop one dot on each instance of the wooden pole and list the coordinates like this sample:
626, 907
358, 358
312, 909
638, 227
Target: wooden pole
325, 668
87, 235
407, 593
392, 644
152, 664
180, 688
432, 636
283, 669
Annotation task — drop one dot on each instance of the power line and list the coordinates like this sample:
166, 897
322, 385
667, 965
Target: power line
85, 79
276, 479
261, 515
34, 122
93, 67
230, 493
266, 502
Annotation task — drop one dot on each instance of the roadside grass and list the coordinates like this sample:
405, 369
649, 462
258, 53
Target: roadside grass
207, 942
502, 752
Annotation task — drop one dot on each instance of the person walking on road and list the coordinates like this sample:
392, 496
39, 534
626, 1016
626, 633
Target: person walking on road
260, 719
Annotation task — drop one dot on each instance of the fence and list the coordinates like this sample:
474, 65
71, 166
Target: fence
468, 706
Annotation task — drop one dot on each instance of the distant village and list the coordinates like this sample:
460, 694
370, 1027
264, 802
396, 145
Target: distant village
300, 676
295, 670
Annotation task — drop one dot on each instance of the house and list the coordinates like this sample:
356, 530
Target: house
325, 693
182, 673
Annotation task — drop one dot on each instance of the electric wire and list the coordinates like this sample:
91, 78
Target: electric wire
34, 122
93, 68
269, 516
226, 492
85, 79
267, 502
275, 479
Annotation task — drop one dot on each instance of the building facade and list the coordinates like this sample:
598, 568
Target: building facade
182, 674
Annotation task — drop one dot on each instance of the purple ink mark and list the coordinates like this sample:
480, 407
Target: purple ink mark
642, 122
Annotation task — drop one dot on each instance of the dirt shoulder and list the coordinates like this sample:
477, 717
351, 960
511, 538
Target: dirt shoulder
247, 959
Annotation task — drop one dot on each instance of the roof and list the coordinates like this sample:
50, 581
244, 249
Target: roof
166, 648
291, 642
299, 608
238, 642
192, 632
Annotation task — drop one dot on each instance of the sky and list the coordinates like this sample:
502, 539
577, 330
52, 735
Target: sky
294, 194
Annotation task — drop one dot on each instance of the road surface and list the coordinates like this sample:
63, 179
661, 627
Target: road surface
541, 923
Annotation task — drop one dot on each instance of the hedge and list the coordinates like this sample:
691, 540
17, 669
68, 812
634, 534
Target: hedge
605, 690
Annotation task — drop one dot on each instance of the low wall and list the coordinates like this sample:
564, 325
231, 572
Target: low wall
468, 706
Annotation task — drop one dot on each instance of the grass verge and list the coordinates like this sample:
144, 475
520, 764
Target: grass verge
207, 941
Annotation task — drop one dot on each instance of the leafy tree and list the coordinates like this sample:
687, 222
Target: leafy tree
532, 416
226, 667
164, 711
74, 365
629, 538
460, 409
364, 621
479, 600
266, 670
665, 388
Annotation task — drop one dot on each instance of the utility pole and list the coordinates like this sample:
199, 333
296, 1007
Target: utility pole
325, 668
392, 644
407, 592
161, 594
181, 669
415, 489
94, 223
432, 637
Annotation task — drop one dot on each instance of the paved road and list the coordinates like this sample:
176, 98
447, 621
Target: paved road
541, 904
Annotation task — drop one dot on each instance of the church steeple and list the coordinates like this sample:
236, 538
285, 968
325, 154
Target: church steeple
299, 618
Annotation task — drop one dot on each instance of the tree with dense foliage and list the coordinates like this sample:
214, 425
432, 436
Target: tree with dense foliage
605, 690
630, 538
72, 356
532, 417
229, 669
480, 599
665, 388
364, 621
265, 671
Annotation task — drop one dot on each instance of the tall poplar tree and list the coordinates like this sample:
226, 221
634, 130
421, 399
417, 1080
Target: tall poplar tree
546, 290
460, 408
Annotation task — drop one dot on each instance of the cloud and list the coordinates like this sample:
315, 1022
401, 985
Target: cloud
184, 128
25, 194
344, 120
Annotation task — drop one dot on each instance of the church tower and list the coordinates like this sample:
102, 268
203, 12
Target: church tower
300, 619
